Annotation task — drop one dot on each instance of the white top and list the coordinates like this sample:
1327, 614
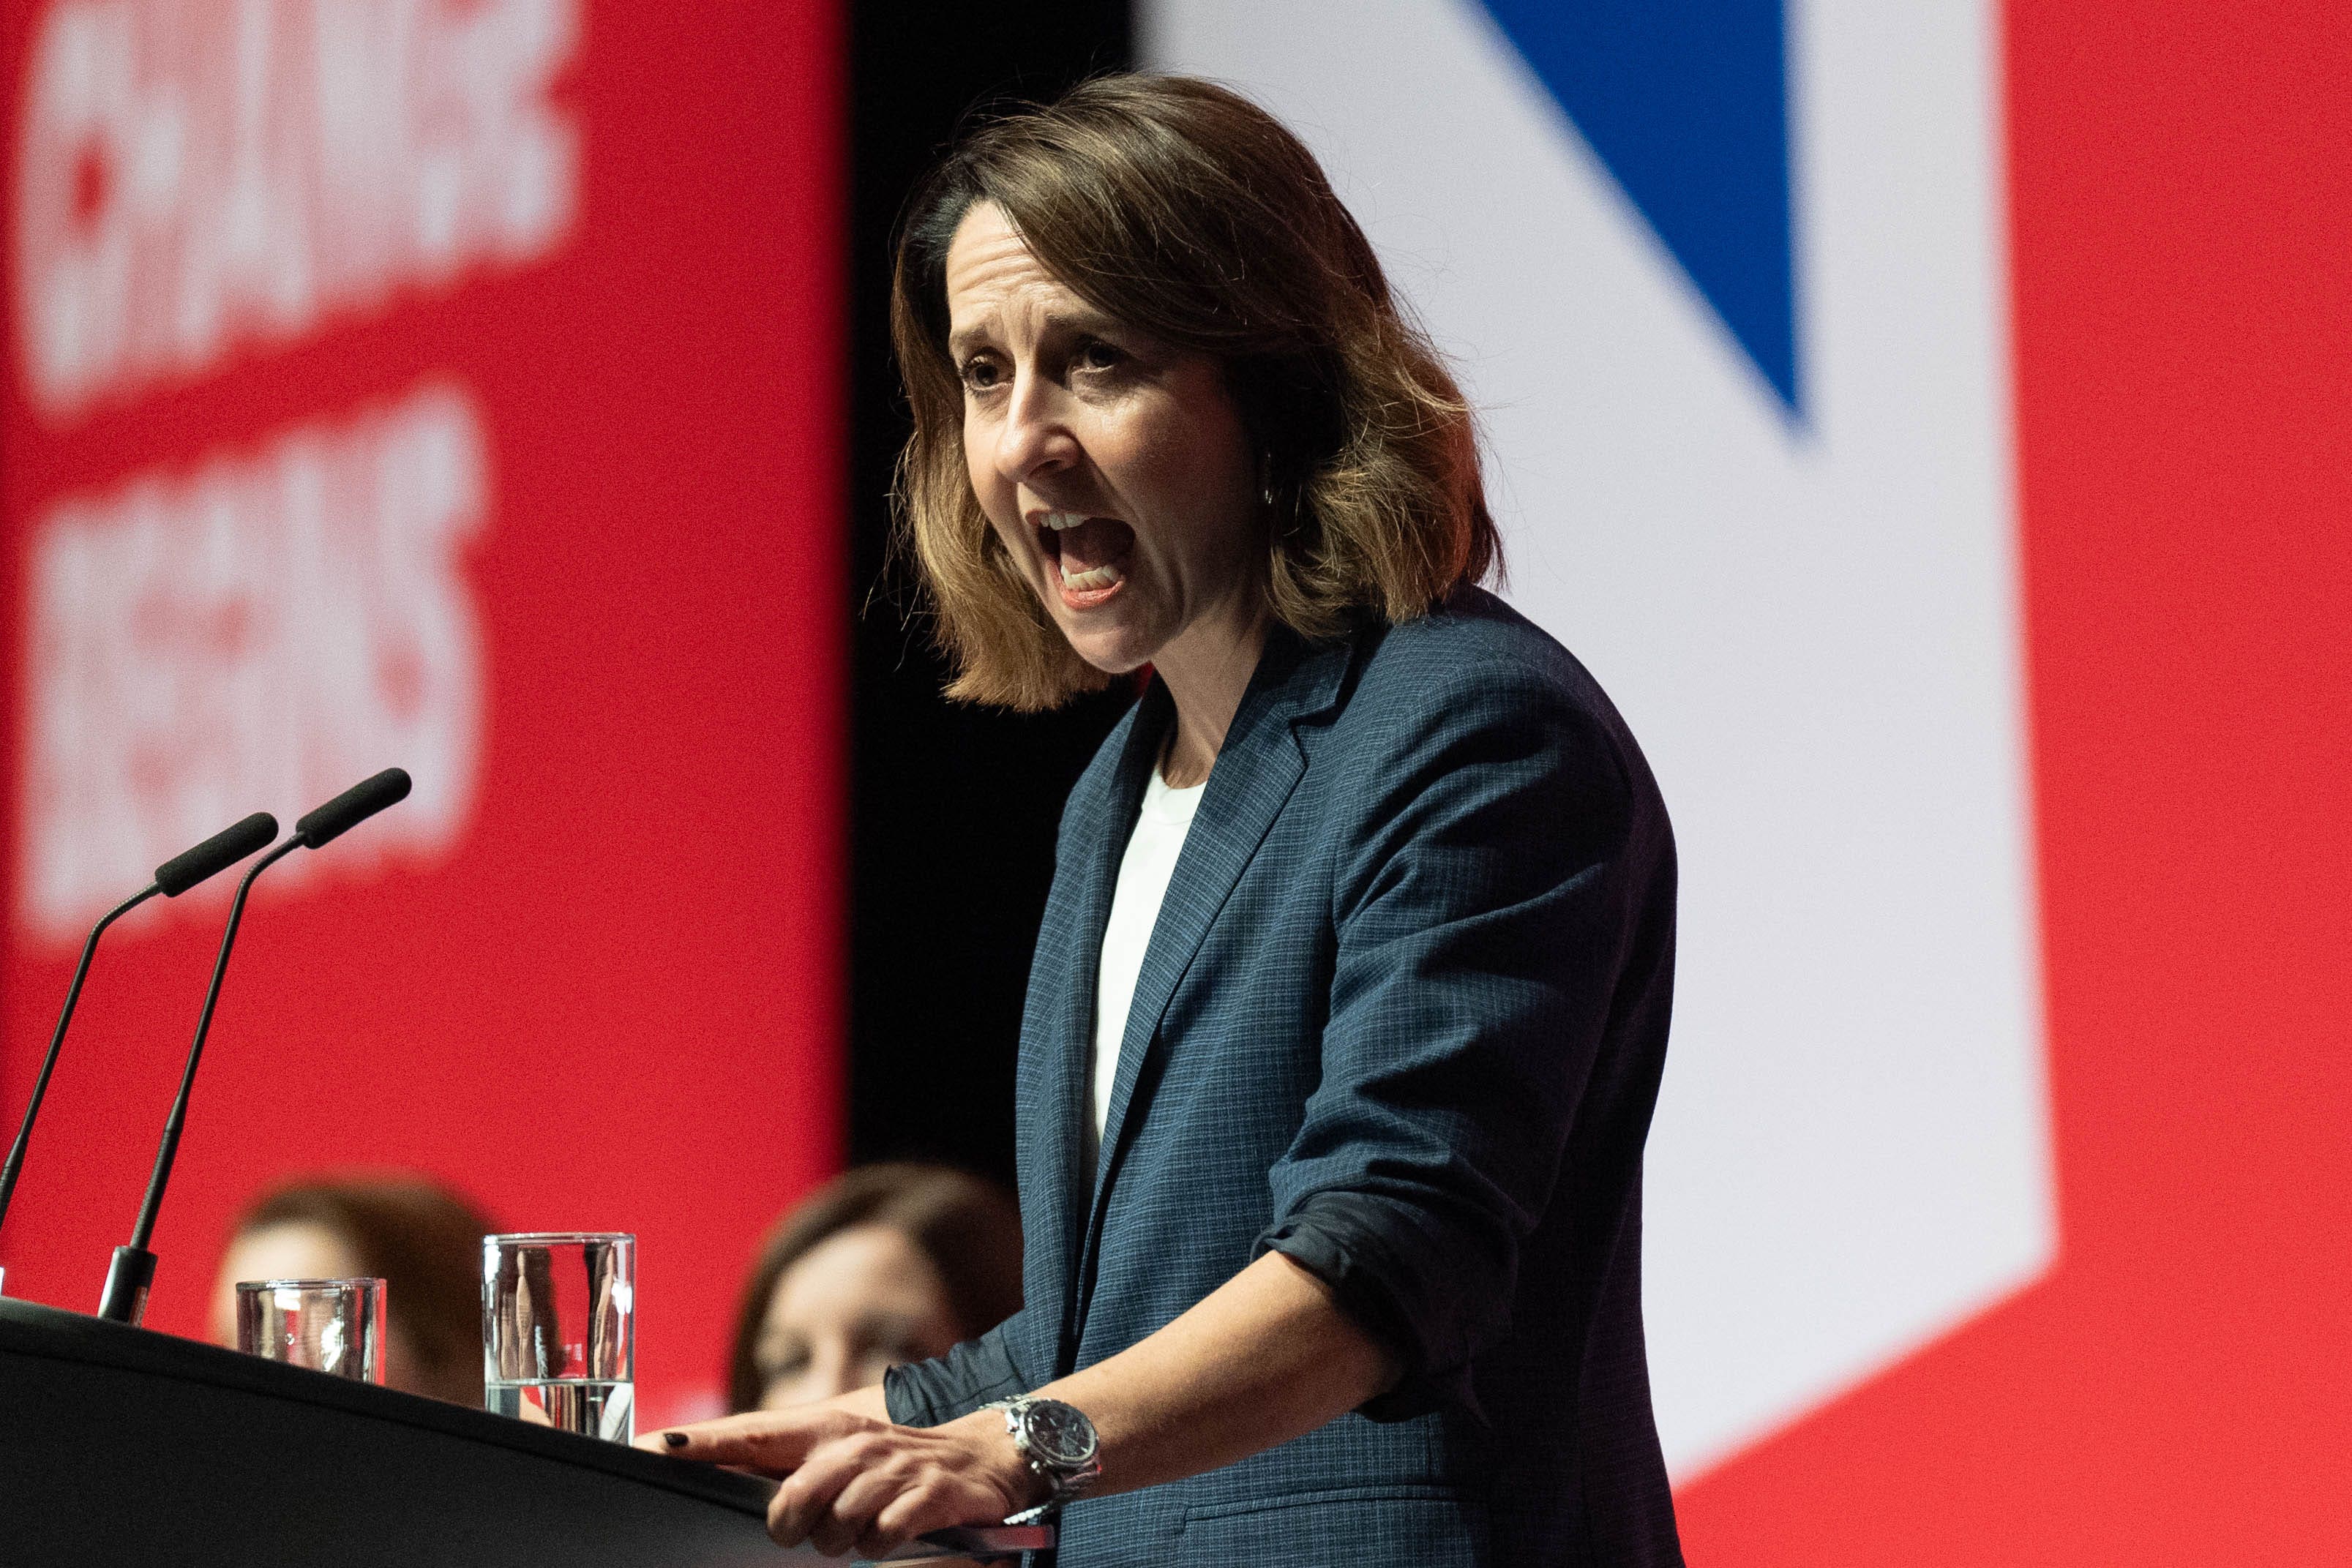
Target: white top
1143, 873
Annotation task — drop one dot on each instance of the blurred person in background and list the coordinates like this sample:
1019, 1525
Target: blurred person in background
421, 1240
883, 1265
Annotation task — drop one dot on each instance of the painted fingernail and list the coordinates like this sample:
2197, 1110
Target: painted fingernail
675, 1439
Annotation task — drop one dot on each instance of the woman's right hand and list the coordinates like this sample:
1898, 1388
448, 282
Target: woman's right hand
850, 1479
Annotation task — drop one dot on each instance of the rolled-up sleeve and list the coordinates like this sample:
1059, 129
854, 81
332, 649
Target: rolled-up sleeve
1482, 918
932, 1392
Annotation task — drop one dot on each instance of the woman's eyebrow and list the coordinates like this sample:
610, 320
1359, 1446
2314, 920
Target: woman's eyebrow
1079, 316
871, 1326
1077, 320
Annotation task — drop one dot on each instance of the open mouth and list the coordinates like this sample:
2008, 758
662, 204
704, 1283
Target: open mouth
1089, 554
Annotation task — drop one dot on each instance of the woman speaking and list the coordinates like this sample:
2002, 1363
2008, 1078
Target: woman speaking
1348, 1013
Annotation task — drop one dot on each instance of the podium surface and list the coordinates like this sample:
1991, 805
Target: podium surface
122, 1446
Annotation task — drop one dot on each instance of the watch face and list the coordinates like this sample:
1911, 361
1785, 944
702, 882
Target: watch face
1059, 1434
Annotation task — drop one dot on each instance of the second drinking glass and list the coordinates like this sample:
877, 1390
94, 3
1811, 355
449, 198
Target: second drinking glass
558, 1341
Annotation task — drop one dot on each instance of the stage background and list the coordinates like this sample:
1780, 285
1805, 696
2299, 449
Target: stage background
1929, 423
458, 386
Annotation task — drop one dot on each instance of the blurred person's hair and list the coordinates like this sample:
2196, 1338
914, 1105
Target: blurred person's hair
423, 1240
1188, 212
966, 1226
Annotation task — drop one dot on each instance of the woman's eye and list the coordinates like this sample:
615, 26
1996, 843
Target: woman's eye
1098, 355
979, 375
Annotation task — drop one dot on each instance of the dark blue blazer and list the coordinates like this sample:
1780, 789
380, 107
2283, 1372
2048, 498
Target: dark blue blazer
1402, 1017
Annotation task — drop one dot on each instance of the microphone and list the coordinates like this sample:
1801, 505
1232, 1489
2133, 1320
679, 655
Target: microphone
352, 807
214, 855
172, 878
132, 1271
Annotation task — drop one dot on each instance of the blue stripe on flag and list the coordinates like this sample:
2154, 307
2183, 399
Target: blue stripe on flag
1686, 101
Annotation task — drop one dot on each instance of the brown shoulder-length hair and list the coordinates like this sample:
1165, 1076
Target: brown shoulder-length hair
1187, 211
966, 1225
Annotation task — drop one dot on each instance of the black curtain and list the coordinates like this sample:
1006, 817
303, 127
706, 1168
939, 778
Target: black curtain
953, 808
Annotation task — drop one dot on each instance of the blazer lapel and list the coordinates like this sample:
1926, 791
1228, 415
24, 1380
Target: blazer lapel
1061, 1005
1256, 770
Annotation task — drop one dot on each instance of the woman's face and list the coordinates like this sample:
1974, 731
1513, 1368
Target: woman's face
1115, 469
854, 1305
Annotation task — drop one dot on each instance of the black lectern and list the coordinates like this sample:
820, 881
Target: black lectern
121, 1447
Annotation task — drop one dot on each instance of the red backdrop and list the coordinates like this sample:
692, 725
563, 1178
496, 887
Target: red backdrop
2177, 1390
460, 390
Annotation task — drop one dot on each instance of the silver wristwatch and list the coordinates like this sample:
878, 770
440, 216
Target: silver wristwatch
1060, 1445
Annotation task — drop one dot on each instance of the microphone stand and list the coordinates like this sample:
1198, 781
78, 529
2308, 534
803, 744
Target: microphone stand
172, 878
133, 1268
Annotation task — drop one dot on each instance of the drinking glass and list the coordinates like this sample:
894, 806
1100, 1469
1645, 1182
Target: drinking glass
558, 1337
333, 1326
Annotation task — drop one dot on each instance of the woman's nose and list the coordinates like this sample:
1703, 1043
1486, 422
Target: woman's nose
1035, 438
